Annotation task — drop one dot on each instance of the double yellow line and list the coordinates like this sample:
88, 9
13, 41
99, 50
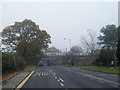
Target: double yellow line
24, 81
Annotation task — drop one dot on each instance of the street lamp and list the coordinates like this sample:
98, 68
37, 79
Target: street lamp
70, 49
69, 41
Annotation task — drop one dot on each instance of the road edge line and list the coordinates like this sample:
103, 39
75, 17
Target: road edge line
24, 81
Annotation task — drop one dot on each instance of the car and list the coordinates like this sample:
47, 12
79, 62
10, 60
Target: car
40, 63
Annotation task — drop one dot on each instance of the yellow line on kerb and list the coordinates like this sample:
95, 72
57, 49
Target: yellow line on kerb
24, 81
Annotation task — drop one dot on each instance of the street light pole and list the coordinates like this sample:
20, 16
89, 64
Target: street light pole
70, 49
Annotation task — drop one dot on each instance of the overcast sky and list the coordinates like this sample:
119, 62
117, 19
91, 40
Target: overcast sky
63, 20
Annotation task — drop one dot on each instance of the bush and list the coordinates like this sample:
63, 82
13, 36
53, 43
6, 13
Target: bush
7, 63
21, 63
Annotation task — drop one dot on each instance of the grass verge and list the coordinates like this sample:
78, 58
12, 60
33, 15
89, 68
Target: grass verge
29, 68
104, 70
97, 69
77, 65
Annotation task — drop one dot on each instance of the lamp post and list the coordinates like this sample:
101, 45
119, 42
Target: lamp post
70, 49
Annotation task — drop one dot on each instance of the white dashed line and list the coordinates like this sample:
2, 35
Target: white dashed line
62, 84
61, 80
55, 77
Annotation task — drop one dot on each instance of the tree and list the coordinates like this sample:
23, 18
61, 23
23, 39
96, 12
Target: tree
76, 50
52, 50
103, 59
7, 62
118, 46
90, 44
25, 38
108, 40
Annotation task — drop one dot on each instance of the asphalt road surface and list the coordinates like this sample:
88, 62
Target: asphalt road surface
69, 77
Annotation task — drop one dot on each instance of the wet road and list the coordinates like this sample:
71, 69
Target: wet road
69, 77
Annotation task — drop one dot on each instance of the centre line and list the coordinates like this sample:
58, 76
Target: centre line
55, 77
62, 84
61, 80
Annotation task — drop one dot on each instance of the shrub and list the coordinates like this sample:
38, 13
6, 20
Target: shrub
7, 63
21, 63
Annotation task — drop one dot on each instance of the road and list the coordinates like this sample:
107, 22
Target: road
69, 77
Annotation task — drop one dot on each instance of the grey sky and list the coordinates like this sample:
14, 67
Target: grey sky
63, 20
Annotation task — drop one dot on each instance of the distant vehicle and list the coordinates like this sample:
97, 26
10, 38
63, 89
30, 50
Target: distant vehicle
40, 63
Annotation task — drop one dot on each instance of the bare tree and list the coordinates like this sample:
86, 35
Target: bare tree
89, 43
76, 50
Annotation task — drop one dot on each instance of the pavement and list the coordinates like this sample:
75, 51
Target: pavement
70, 77
14, 81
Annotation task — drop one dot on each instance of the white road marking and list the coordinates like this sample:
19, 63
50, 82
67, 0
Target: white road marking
108, 81
55, 77
39, 74
62, 84
113, 85
88, 75
61, 80
91, 78
42, 73
102, 74
100, 81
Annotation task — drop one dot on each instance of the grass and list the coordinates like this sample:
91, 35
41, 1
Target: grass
29, 68
77, 65
104, 70
97, 69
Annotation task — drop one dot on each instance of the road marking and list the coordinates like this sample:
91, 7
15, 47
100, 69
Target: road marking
100, 81
61, 80
24, 81
42, 74
102, 74
95, 77
91, 78
46, 74
62, 84
88, 75
39, 74
113, 85
55, 77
